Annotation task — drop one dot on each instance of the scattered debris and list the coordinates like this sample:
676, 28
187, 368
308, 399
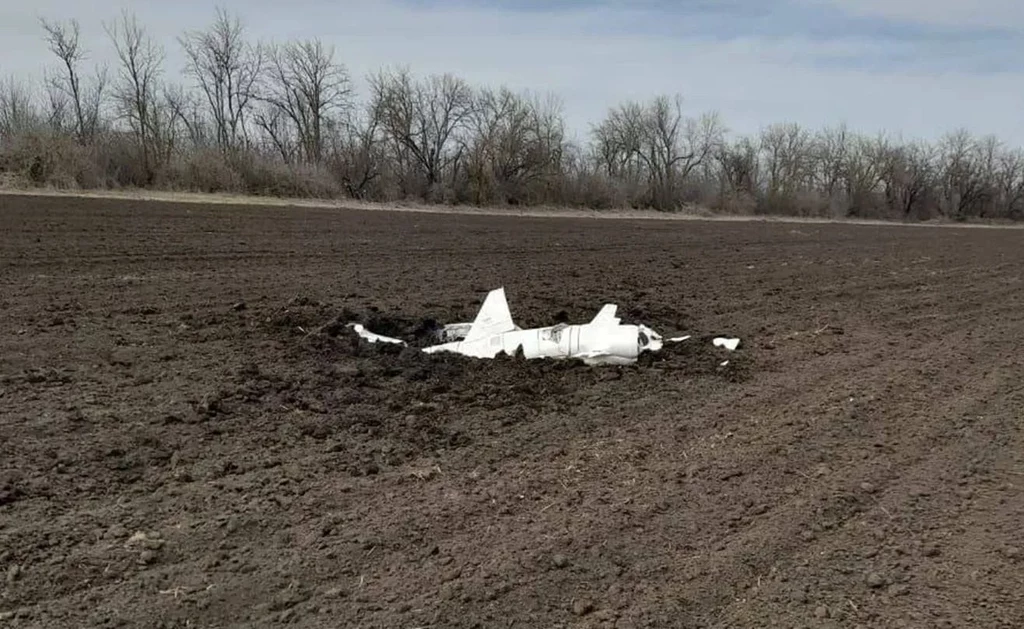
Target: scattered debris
728, 343
148, 541
373, 338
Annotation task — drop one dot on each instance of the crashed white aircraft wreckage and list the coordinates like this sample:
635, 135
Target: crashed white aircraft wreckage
603, 341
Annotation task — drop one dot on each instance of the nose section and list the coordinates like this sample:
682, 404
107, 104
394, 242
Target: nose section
648, 339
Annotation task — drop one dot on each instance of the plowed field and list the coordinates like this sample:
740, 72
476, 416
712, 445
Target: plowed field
191, 437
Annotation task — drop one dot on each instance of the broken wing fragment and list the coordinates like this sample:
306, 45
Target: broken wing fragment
372, 337
728, 343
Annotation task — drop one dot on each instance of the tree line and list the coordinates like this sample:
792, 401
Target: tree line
284, 119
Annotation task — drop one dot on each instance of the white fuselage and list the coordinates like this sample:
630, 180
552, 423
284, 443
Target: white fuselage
603, 341
594, 344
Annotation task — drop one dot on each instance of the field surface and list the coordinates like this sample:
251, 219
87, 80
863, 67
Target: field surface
191, 437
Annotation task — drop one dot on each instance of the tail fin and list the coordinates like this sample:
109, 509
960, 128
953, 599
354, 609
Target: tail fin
494, 317
606, 316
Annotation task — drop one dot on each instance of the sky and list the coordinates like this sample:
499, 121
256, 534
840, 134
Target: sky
911, 68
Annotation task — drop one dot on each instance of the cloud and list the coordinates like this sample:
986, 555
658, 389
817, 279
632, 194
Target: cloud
958, 14
817, 62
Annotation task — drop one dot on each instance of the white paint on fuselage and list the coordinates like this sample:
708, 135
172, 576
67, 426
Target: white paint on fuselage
594, 344
603, 341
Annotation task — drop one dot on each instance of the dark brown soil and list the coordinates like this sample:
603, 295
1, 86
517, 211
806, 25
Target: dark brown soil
190, 437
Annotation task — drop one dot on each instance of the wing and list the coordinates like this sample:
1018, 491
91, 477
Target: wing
494, 317
606, 316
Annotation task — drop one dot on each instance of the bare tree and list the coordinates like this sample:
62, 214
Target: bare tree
312, 92
701, 138
186, 109
360, 153
278, 135
67, 88
656, 142
424, 120
987, 152
59, 118
619, 142
497, 138
961, 182
516, 141
1009, 181
18, 111
739, 166
907, 173
136, 90
862, 172
675, 146
831, 147
62, 39
544, 162
440, 138
787, 159
226, 69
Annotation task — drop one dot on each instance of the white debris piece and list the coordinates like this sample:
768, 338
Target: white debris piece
728, 343
604, 340
679, 339
457, 331
372, 337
